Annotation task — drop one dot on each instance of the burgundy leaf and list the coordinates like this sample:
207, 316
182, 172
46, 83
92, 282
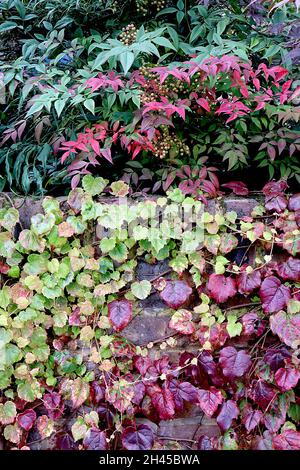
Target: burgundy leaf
252, 324
120, 313
290, 270
138, 438
246, 283
209, 400
54, 405
274, 295
276, 203
251, 418
286, 327
221, 288
182, 392
275, 358
294, 203
95, 440
176, 293
287, 440
287, 378
262, 393
97, 392
274, 188
238, 187
206, 443
234, 363
228, 413
27, 419
263, 442
164, 403
181, 322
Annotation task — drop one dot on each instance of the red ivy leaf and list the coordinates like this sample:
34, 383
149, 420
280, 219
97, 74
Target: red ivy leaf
182, 392
26, 419
95, 440
163, 401
238, 187
234, 363
221, 288
176, 293
228, 413
274, 295
252, 324
209, 400
294, 203
286, 327
290, 270
276, 203
262, 393
181, 322
251, 418
287, 378
138, 438
246, 283
287, 440
119, 313
54, 405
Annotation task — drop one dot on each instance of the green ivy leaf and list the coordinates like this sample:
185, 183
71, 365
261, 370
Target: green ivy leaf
141, 290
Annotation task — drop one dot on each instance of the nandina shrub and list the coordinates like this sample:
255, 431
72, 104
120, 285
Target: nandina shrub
69, 372
220, 109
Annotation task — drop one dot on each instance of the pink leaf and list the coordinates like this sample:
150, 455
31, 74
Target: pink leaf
274, 295
221, 288
120, 313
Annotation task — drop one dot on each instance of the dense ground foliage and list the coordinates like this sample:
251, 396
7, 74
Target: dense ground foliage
68, 374
180, 82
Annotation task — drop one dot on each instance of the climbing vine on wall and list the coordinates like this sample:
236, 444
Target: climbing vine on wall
69, 374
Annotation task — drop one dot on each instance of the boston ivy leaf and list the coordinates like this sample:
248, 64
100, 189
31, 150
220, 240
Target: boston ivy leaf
287, 440
234, 363
13, 433
176, 293
181, 322
287, 378
163, 401
139, 437
8, 412
247, 282
94, 186
95, 440
228, 242
120, 313
251, 418
262, 393
287, 327
54, 405
294, 203
275, 357
183, 391
290, 269
274, 295
27, 419
79, 392
228, 413
237, 187
141, 290
209, 400
276, 203
221, 288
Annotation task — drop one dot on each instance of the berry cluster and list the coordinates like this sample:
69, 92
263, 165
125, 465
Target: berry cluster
144, 6
128, 35
166, 142
154, 90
